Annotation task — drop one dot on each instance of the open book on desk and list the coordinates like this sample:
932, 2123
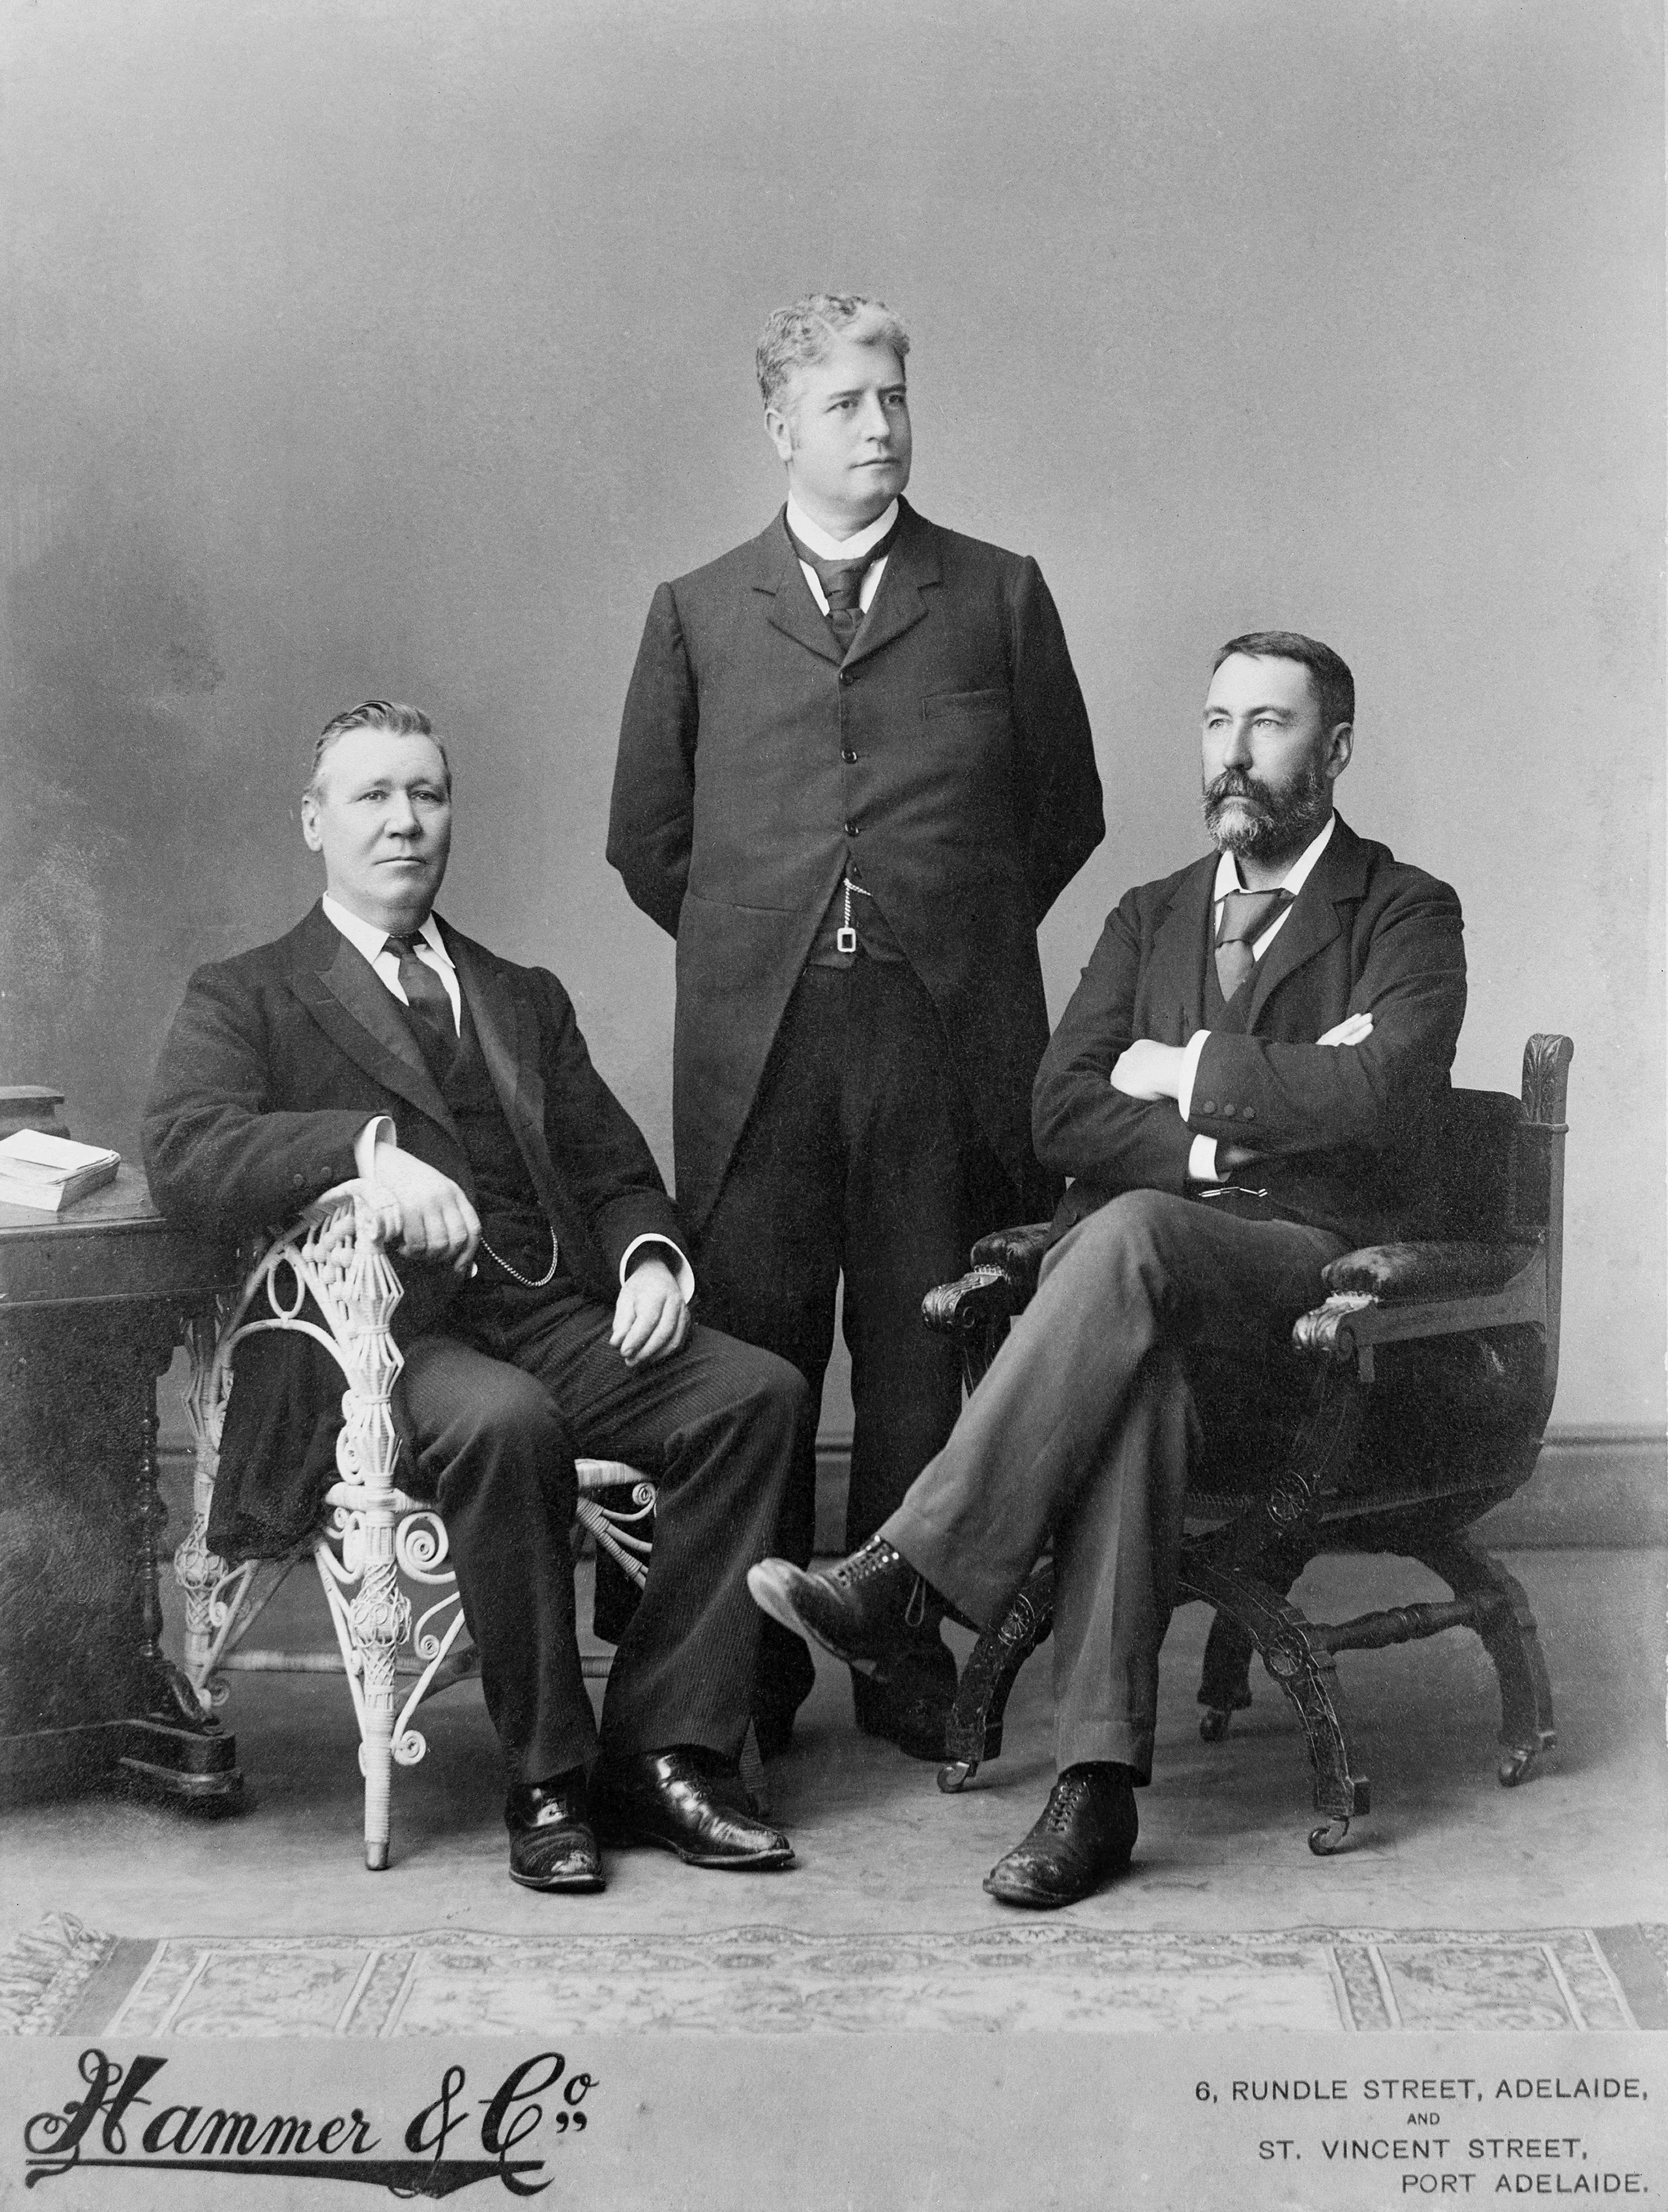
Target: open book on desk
50, 1173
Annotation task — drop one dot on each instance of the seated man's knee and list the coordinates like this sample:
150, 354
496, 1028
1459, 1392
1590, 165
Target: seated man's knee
771, 1388
1131, 1227
504, 1419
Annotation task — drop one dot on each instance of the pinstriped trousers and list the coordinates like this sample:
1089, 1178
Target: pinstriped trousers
1084, 1430
501, 1407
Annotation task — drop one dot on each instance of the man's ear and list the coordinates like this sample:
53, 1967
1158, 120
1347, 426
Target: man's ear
1340, 743
310, 829
779, 429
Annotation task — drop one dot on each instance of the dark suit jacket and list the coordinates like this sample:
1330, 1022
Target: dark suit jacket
275, 1062
952, 738
1340, 1130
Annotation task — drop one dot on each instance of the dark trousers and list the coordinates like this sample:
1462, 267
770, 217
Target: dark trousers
860, 1158
501, 1407
1084, 1429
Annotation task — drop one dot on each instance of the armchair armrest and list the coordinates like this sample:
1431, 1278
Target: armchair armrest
1018, 1253
1491, 1287
1398, 1271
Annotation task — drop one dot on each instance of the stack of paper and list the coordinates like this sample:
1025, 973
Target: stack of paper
49, 1173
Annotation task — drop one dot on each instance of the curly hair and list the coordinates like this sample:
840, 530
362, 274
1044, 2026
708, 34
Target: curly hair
797, 336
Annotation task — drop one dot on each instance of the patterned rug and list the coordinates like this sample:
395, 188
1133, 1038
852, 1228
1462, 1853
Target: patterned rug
65, 1978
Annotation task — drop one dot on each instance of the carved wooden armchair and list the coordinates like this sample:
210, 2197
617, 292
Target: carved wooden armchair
379, 1553
1407, 1405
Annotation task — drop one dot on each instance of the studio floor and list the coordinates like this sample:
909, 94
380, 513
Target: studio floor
1220, 1870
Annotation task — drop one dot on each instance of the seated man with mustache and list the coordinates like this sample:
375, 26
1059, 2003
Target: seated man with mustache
1238, 1089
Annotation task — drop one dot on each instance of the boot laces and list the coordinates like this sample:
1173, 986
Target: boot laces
1063, 1800
877, 1557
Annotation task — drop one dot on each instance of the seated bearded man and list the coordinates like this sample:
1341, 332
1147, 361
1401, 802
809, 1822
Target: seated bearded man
1237, 1088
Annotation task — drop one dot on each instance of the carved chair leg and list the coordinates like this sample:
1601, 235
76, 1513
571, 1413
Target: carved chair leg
973, 1731
1507, 1627
1225, 1678
1305, 1670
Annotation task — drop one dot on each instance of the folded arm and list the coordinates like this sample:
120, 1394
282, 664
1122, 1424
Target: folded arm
1106, 1107
1288, 1098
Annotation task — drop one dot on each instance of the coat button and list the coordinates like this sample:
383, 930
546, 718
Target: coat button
848, 755
1207, 1105
850, 828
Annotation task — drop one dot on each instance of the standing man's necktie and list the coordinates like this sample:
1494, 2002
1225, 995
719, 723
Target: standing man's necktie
842, 584
1245, 916
427, 1006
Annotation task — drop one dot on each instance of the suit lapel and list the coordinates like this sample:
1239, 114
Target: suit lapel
793, 610
507, 1027
1177, 965
1339, 876
347, 999
913, 566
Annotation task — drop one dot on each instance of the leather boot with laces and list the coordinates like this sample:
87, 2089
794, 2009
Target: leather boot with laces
1084, 1836
868, 1607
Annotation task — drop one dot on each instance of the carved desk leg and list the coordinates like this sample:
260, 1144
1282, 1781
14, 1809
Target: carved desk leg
85, 1690
171, 1744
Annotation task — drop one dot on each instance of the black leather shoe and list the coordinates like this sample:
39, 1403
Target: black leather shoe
869, 1606
1085, 1836
552, 1845
908, 1698
687, 1801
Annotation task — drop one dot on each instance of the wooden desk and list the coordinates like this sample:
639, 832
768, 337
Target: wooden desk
92, 1306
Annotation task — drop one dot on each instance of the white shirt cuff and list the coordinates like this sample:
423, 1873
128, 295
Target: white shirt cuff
685, 1274
378, 1130
1202, 1161
1190, 1053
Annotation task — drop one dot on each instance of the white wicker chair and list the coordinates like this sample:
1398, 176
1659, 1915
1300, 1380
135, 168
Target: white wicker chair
378, 1549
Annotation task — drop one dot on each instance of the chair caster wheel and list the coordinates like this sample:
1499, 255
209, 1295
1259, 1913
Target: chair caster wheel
1514, 1768
376, 1856
1214, 1725
955, 1774
1323, 1841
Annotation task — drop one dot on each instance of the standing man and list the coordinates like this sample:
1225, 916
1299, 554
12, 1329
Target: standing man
545, 1312
855, 771
1239, 1087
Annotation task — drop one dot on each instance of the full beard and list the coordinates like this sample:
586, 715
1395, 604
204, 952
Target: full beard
1267, 823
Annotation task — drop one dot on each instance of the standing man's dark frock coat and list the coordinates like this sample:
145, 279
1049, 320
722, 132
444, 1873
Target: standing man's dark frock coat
872, 1118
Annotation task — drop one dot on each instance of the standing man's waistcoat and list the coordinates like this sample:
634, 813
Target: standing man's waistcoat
947, 754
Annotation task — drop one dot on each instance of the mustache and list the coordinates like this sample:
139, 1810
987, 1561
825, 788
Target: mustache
1236, 783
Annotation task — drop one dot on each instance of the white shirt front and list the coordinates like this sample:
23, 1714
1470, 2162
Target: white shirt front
366, 937
841, 549
1202, 1154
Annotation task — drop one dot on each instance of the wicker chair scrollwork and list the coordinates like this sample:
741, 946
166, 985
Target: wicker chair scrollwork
381, 1555
1412, 1400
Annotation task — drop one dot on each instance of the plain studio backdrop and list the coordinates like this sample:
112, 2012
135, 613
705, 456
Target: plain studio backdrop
355, 347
